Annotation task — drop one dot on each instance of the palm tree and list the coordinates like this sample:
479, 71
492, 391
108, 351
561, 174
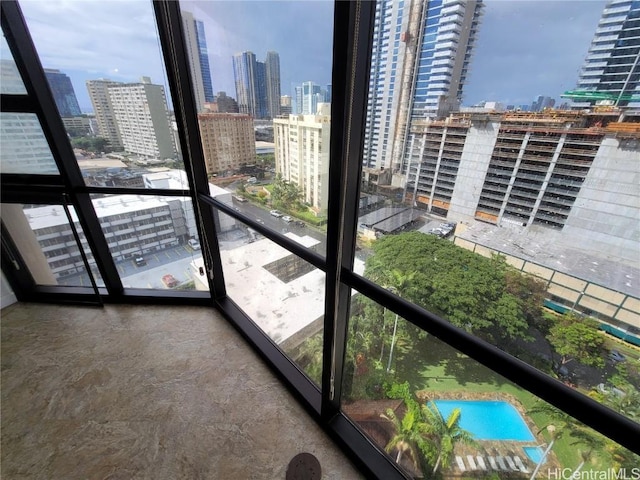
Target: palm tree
398, 283
409, 437
446, 433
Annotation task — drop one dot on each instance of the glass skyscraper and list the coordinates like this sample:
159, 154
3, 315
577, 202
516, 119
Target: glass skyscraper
63, 93
196, 44
257, 84
420, 58
204, 62
611, 71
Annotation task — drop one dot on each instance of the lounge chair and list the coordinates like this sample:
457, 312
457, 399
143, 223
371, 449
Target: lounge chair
512, 465
460, 463
500, 461
492, 462
480, 462
471, 462
520, 464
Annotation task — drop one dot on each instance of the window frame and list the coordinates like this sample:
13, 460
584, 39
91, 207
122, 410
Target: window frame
352, 39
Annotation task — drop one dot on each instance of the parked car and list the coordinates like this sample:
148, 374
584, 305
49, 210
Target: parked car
300, 223
275, 213
287, 219
169, 281
616, 356
140, 261
193, 243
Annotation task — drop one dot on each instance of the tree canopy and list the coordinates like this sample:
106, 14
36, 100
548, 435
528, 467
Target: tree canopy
482, 295
285, 195
577, 339
91, 144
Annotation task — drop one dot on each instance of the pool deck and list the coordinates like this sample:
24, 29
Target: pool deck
501, 453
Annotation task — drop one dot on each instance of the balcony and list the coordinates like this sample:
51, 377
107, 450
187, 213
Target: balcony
146, 392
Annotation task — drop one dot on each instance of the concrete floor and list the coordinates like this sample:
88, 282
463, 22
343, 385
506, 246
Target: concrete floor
145, 392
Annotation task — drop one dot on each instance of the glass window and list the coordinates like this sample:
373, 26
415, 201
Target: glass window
252, 146
153, 240
46, 242
23, 146
113, 99
286, 297
486, 212
435, 410
10, 79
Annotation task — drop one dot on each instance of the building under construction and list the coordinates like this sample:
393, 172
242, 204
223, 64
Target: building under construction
566, 170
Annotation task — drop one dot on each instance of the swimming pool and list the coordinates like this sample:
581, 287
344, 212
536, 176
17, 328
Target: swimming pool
488, 420
534, 453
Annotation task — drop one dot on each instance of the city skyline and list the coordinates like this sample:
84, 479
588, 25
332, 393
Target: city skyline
511, 65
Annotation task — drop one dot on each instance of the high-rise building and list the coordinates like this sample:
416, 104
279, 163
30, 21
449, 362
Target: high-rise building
140, 111
103, 110
302, 153
228, 141
207, 84
308, 96
611, 71
257, 84
261, 90
272, 64
198, 59
63, 93
244, 74
420, 58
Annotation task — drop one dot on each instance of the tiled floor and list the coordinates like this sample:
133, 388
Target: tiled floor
145, 392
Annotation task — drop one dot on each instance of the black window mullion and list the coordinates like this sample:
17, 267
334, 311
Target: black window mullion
353, 34
172, 40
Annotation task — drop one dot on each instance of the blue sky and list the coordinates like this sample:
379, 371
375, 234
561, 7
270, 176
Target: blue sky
524, 49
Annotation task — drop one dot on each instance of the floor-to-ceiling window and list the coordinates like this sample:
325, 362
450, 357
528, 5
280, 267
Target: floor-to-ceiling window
483, 266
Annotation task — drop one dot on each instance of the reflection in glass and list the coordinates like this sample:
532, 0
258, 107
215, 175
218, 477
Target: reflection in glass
10, 79
438, 412
286, 298
23, 146
45, 240
149, 239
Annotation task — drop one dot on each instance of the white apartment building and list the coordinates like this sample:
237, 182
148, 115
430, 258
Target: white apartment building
302, 154
140, 111
103, 110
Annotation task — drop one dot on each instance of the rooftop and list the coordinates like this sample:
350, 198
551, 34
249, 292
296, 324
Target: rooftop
545, 247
